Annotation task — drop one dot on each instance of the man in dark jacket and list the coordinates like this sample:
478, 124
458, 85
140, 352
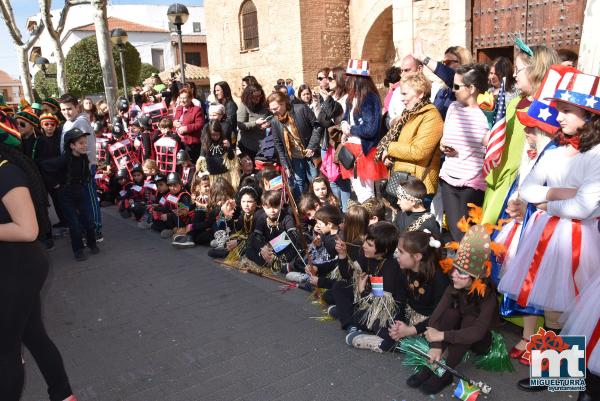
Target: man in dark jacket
297, 136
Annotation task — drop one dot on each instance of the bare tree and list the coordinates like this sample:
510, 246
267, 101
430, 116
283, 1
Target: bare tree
55, 34
21, 45
109, 76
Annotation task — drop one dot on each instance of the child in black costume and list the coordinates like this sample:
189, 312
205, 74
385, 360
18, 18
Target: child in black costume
414, 216
176, 210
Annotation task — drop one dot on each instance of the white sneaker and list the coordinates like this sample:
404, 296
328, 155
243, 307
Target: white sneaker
367, 341
297, 277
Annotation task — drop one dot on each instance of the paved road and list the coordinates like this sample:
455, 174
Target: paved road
142, 321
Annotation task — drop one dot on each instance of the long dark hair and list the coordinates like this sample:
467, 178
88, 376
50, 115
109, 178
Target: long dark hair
39, 194
247, 97
504, 69
209, 128
358, 88
339, 74
418, 242
226, 91
589, 134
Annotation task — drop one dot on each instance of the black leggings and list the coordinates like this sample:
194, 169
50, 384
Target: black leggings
455, 201
24, 270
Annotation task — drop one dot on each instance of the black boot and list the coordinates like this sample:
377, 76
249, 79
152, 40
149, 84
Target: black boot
435, 384
523, 384
592, 388
419, 378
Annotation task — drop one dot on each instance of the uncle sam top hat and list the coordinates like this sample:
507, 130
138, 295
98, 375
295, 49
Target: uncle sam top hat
579, 89
358, 67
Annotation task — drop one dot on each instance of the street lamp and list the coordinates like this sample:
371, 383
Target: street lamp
178, 15
42, 63
119, 38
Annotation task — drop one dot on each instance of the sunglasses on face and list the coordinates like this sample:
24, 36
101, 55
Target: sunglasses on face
48, 124
320, 78
330, 79
449, 62
457, 86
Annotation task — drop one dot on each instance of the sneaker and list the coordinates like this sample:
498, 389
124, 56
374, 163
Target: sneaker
332, 311
218, 253
179, 237
144, 225
367, 341
352, 331
185, 242
166, 233
435, 384
94, 250
80, 255
297, 277
99, 237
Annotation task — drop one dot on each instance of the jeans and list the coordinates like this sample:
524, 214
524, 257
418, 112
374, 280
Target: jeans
341, 188
78, 214
304, 171
94, 201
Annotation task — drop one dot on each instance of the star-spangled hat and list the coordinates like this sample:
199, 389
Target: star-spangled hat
542, 114
358, 67
580, 90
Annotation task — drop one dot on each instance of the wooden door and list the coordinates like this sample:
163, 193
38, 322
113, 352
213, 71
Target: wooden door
554, 23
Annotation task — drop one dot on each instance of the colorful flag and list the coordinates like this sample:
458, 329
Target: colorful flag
276, 183
280, 242
497, 138
466, 392
377, 286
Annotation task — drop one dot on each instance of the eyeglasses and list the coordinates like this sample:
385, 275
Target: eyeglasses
518, 70
49, 124
457, 87
319, 78
330, 79
448, 62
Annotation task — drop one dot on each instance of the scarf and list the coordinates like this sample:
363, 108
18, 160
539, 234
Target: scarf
572, 140
394, 132
291, 136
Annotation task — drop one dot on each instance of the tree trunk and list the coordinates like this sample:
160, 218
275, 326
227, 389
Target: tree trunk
105, 54
25, 74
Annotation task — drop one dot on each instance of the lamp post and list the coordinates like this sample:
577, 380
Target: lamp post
119, 38
178, 15
42, 63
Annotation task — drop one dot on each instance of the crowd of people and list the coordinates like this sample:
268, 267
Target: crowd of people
429, 214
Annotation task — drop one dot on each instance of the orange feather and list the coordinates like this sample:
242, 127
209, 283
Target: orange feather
478, 286
446, 265
452, 245
463, 225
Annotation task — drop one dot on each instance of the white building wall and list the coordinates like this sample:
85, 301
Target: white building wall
149, 15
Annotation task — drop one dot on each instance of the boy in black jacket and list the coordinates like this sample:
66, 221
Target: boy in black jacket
72, 172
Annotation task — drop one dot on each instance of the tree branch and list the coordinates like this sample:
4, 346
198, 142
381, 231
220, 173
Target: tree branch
34, 36
9, 18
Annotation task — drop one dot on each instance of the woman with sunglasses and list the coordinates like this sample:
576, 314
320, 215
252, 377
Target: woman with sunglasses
454, 57
465, 128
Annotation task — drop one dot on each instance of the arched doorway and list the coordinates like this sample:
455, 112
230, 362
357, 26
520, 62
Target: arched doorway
379, 48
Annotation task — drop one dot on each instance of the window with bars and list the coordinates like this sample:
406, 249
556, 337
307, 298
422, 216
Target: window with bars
248, 26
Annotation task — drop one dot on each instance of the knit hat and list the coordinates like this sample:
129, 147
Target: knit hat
474, 250
216, 108
29, 116
358, 67
51, 102
9, 134
48, 116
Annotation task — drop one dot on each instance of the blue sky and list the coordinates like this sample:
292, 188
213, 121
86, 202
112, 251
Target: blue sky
23, 9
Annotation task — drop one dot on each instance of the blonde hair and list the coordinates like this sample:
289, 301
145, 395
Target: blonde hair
418, 81
150, 164
464, 55
538, 64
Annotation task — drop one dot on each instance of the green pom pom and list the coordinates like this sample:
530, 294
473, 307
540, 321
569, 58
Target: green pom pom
497, 359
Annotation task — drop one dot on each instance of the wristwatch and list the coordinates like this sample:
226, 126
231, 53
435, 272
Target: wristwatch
426, 60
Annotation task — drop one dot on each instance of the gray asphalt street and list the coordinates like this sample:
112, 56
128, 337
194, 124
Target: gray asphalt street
143, 321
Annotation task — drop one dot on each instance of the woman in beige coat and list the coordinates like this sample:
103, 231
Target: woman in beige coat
412, 146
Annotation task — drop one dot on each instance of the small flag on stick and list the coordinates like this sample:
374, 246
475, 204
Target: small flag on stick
280, 242
497, 137
466, 392
377, 286
276, 183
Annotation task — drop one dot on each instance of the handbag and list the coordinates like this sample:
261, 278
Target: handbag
346, 158
397, 178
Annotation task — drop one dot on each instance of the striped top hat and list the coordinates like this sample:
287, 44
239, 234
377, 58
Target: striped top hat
358, 67
49, 116
579, 89
9, 134
29, 116
541, 114
52, 102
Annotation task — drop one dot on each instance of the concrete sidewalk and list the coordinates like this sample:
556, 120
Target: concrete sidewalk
143, 321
